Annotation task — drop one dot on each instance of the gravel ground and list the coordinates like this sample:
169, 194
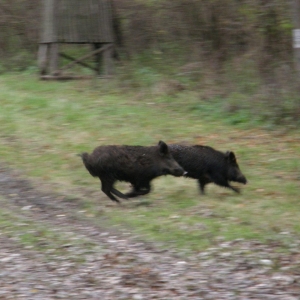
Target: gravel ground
103, 263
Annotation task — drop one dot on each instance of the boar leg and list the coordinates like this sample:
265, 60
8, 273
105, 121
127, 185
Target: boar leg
237, 190
202, 181
139, 190
118, 193
219, 180
226, 184
106, 187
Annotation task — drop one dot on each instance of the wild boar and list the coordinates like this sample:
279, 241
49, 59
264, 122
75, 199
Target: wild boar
208, 165
135, 164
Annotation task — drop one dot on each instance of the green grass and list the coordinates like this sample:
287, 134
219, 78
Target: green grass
45, 124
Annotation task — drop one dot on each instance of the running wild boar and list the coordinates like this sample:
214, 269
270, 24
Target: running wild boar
208, 165
135, 164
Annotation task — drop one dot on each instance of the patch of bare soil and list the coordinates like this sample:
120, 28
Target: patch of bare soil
108, 264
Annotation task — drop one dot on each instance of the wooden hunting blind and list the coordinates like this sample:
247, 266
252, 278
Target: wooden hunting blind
75, 22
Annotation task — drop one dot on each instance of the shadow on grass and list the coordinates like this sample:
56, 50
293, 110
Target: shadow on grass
145, 203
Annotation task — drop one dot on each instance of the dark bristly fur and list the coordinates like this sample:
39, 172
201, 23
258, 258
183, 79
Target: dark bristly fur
135, 164
208, 165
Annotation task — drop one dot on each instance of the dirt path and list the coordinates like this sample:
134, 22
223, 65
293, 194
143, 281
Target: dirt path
84, 261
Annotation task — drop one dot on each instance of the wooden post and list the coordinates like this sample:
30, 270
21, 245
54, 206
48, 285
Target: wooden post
98, 58
296, 33
108, 61
43, 58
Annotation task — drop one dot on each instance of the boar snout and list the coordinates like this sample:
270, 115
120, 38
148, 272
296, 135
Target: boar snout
242, 179
174, 171
178, 172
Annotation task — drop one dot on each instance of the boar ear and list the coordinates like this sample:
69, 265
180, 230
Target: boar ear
230, 156
163, 148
